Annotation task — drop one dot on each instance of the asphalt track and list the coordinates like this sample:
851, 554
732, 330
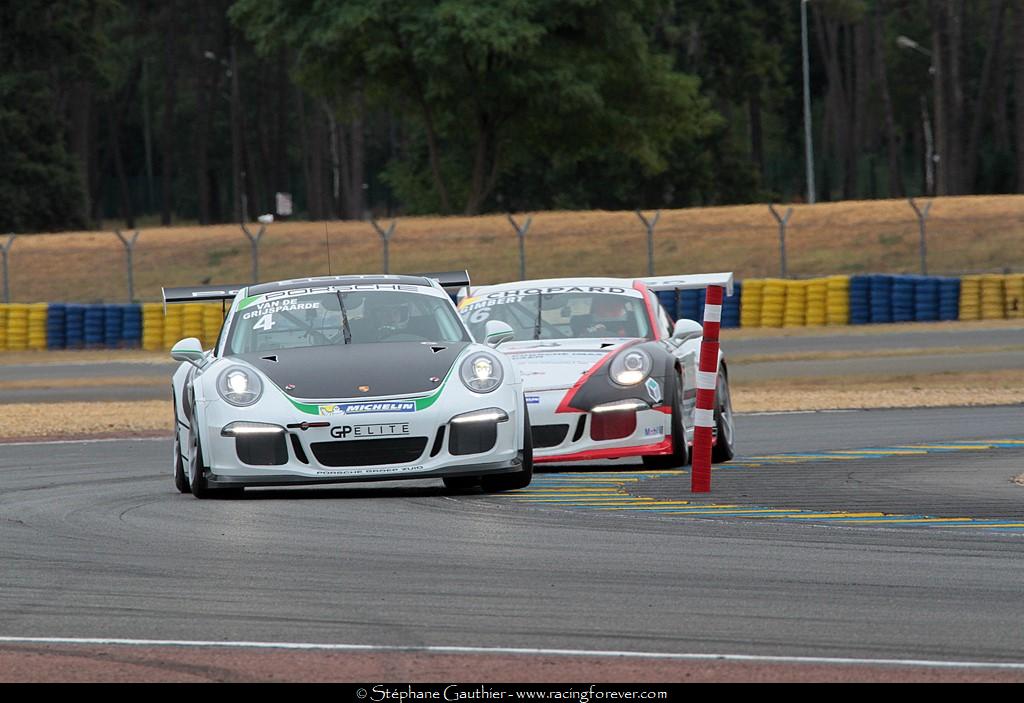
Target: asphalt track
96, 543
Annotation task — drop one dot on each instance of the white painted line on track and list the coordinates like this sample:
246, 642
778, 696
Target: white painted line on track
529, 651
168, 436
806, 412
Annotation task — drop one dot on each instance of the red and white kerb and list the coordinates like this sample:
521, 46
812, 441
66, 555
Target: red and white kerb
707, 378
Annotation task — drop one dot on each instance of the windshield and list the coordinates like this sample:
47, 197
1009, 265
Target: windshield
559, 315
329, 317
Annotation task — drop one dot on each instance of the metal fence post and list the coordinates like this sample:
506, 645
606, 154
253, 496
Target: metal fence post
385, 237
650, 224
783, 221
922, 224
521, 234
7, 278
254, 241
129, 251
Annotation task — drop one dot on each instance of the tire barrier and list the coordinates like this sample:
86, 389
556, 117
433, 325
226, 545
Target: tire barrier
970, 298
903, 299
750, 303
131, 329
816, 314
74, 326
57, 326
881, 298
113, 325
765, 302
837, 300
949, 298
1015, 296
92, 326
773, 302
152, 326
795, 310
993, 298
17, 327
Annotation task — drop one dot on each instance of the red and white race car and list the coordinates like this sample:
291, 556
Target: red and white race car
606, 372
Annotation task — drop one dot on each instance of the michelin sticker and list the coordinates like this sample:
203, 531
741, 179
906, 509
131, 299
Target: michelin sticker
653, 390
365, 408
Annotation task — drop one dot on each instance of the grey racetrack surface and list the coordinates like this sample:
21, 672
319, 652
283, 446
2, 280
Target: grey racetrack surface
95, 542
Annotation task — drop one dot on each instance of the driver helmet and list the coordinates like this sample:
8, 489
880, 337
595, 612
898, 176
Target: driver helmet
608, 308
395, 316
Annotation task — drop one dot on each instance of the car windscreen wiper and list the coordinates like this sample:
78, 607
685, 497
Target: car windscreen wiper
344, 318
540, 307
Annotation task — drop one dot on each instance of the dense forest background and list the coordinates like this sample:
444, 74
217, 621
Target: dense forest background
202, 110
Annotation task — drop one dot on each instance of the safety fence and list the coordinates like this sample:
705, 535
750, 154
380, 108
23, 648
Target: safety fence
756, 302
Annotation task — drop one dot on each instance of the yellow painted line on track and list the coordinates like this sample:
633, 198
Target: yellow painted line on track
896, 518
731, 513
959, 447
827, 516
982, 525
876, 452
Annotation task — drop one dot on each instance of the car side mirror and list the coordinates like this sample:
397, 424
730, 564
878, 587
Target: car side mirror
687, 329
189, 349
497, 332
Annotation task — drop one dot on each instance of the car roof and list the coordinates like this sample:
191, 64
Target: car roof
374, 279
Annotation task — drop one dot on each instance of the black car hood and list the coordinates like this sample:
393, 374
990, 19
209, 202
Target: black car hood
343, 370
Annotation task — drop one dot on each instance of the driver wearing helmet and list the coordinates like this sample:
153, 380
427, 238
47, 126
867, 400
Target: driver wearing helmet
389, 319
609, 314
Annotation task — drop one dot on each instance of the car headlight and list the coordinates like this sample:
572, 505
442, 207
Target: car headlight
239, 386
631, 368
481, 372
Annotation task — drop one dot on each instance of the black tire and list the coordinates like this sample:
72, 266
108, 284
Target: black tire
680, 455
520, 479
180, 479
725, 426
196, 477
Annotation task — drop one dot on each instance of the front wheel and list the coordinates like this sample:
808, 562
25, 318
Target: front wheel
725, 426
680, 455
180, 479
520, 479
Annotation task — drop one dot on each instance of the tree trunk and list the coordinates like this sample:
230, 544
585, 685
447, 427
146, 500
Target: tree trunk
892, 144
995, 40
938, 80
754, 105
1018, 83
127, 211
170, 101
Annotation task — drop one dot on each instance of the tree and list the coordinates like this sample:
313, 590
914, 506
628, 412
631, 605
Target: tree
492, 84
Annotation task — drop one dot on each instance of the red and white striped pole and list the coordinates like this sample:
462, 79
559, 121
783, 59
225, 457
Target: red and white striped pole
707, 379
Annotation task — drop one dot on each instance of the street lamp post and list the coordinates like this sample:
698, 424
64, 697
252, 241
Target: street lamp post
808, 141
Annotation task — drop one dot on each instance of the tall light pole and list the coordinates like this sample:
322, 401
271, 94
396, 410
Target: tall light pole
808, 140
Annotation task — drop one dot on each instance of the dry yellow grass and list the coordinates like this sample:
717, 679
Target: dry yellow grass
966, 233
854, 392
81, 419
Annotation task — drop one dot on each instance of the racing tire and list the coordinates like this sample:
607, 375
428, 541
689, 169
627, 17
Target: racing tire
196, 478
680, 455
725, 425
180, 479
520, 479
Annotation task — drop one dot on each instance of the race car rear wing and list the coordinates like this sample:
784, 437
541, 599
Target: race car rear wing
689, 282
199, 294
451, 281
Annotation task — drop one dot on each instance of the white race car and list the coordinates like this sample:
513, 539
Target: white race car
345, 378
607, 374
